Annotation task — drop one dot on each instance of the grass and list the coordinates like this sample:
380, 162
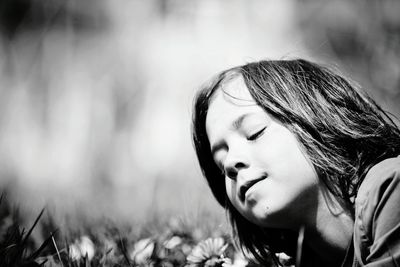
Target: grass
167, 242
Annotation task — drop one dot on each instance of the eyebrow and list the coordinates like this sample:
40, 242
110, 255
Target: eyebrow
237, 123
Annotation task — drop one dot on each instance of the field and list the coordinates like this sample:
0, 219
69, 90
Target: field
167, 241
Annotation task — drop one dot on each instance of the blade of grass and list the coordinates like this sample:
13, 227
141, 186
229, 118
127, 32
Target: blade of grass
123, 250
33, 226
42, 264
299, 251
40, 249
58, 252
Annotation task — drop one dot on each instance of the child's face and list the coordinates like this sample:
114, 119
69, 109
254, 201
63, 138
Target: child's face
268, 178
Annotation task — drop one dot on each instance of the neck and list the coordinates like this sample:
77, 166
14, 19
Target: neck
329, 233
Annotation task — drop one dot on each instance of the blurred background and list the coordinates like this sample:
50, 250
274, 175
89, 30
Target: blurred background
96, 95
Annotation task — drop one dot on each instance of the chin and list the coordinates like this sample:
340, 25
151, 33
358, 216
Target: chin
259, 215
269, 216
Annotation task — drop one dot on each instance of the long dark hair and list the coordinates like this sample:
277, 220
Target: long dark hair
343, 131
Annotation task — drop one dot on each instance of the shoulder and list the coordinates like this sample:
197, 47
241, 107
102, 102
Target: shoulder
379, 177
377, 216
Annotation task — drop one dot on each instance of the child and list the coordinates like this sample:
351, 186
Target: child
288, 145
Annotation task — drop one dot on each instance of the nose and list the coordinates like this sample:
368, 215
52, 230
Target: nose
233, 164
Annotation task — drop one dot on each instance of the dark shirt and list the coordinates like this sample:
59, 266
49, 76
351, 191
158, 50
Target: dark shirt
376, 239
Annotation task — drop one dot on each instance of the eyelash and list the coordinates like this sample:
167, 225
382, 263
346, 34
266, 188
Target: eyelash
256, 135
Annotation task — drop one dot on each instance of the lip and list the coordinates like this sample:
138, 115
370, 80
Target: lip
247, 185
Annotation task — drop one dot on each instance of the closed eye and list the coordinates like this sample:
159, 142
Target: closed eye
256, 135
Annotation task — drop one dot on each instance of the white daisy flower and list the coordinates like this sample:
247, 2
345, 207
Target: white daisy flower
142, 250
208, 253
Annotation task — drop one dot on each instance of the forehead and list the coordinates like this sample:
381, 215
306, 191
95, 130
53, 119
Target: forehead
229, 102
236, 88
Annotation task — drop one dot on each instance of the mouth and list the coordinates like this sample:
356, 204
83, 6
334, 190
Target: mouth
246, 186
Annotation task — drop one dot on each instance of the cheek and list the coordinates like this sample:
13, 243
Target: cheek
230, 188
